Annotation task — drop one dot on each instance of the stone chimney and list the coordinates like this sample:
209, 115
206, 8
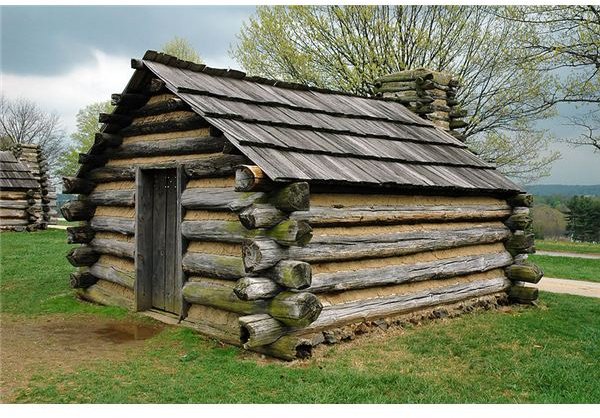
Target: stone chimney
430, 94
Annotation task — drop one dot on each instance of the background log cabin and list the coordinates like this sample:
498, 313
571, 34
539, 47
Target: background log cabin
269, 214
27, 198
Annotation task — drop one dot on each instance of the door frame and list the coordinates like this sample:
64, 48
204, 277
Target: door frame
143, 245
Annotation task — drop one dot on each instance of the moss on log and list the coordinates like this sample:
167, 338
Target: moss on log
525, 272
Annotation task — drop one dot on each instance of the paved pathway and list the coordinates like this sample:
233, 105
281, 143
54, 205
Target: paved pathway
571, 287
565, 254
57, 226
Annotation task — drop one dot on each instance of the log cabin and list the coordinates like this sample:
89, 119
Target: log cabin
273, 216
27, 199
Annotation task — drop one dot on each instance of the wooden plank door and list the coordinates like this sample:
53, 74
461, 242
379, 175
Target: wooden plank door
157, 241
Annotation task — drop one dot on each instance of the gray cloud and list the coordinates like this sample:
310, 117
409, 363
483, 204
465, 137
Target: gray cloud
51, 40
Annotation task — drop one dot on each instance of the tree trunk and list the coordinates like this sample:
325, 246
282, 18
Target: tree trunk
295, 309
293, 197
261, 216
291, 274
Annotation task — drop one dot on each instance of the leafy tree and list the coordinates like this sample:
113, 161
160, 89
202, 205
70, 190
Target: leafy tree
548, 222
24, 122
348, 47
584, 218
182, 49
565, 40
83, 138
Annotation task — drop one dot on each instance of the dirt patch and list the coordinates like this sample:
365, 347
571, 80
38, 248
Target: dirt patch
29, 346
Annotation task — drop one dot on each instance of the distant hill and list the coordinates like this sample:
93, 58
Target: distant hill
563, 190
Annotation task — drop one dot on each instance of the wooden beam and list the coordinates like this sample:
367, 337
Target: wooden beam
250, 178
523, 294
522, 199
193, 122
293, 197
103, 140
113, 198
408, 273
128, 99
180, 146
114, 274
76, 185
80, 234
291, 274
77, 210
82, 256
212, 265
82, 280
524, 272
115, 119
113, 247
222, 165
259, 329
253, 288
218, 198
110, 224
261, 216
520, 242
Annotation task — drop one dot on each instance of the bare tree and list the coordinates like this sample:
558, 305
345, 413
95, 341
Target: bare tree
23, 122
589, 127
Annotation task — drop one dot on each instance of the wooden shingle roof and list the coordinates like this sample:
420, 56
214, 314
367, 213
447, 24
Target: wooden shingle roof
15, 175
293, 132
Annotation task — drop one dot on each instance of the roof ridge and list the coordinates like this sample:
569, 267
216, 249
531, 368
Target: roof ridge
172, 61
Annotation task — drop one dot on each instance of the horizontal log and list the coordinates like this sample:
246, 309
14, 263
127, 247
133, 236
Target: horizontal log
113, 247
288, 348
13, 213
82, 280
80, 234
251, 178
128, 99
261, 216
216, 323
188, 124
14, 204
14, 222
405, 273
112, 197
114, 274
525, 272
220, 294
378, 307
260, 254
219, 198
115, 119
220, 266
518, 221
285, 233
458, 124
173, 104
180, 146
293, 197
120, 225
222, 165
103, 140
291, 274
82, 256
253, 288
102, 296
76, 185
259, 329
93, 160
523, 294
522, 199
378, 215
77, 210
295, 309
108, 174
520, 242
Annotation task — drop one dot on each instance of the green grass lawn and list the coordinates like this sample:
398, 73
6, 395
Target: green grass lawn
544, 354
568, 267
566, 246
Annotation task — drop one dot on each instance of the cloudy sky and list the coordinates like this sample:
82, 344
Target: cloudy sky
64, 58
